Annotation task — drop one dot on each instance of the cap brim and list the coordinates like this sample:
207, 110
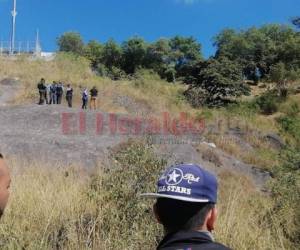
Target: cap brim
174, 197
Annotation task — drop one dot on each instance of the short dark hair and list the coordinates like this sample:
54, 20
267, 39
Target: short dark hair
1, 156
181, 215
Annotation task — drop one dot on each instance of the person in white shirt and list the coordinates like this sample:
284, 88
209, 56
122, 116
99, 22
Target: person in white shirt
85, 98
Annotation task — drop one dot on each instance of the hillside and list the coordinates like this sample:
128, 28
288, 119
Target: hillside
36, 132
238, 143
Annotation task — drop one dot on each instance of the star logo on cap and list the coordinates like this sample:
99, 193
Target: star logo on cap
174, 176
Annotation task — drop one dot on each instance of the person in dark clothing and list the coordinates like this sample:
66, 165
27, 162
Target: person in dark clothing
59, 92
42, 91
85, 97
53, 93
185, 206
93, 101
69, 95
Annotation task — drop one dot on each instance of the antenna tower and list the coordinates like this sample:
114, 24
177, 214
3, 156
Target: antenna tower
13, 33
38, 48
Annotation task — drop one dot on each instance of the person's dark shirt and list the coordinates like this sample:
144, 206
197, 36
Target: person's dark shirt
94, 92
53, 88
190, 240
41, 87
69, 92
59, 90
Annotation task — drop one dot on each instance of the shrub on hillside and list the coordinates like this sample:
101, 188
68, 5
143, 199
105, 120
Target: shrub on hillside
290, 125
245, 109
215, 83
293, 109
57, 208
268, 102
116, 73
197, 97
283, 77
286, 194
71, 42
116, 194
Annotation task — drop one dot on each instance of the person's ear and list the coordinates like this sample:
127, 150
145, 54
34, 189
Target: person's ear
211, 219
156, 214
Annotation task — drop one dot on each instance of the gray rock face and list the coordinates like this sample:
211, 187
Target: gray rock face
213, 159
44, 133
60, 136
41, 132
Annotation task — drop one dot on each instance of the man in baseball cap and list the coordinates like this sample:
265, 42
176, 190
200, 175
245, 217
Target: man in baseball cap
185, 206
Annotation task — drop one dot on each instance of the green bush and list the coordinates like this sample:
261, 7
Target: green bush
215, 83
290, 125
285, 190
293, 109
117, 190
268, 102
197, 97
245, 109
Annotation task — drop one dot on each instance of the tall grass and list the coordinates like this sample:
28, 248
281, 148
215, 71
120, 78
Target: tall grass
56, 208
145, 89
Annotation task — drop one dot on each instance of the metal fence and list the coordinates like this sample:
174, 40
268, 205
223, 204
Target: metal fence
20, 48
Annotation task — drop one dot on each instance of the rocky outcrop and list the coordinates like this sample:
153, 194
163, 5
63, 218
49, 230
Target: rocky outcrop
61, 136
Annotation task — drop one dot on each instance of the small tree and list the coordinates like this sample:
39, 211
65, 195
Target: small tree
173, 58
134, 54
71, 42
93, 51
282, 77
215, 83
111, 55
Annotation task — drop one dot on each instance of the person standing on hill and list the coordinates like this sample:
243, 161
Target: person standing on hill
42, 91
47, 94
53, 93
186, 207
69, 95
4, 185
85, 97
94, 95
59, 92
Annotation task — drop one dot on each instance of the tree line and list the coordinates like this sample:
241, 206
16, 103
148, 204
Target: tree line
269, 53
168, 57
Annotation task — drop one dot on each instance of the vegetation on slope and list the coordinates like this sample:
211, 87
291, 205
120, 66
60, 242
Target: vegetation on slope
72, 210
75, 210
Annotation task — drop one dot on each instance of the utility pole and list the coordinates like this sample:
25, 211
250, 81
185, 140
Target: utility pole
13, 33
38, 48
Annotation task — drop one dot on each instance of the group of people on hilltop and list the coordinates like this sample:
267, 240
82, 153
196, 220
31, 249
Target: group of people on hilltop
53, 93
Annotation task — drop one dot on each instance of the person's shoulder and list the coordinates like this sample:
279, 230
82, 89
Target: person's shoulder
202, 246
211, 246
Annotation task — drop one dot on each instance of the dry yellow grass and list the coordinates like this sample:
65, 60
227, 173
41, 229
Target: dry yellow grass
157, 94
64, 208
243, 222
262, 154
